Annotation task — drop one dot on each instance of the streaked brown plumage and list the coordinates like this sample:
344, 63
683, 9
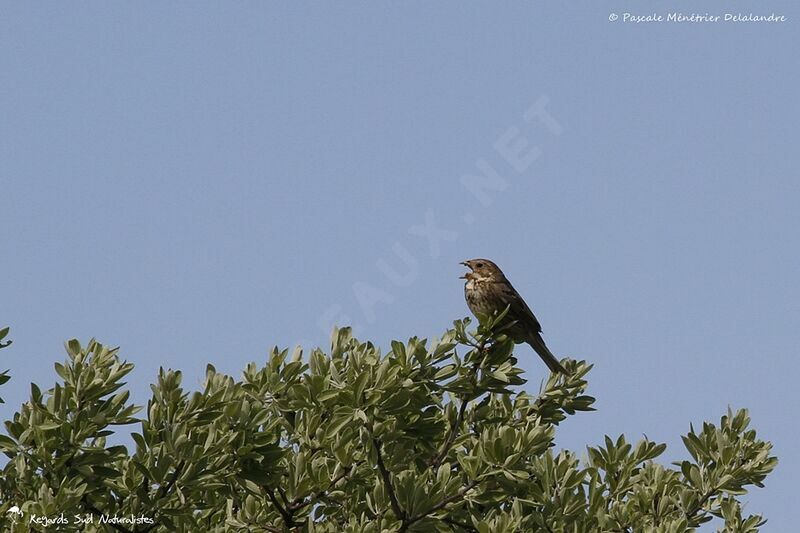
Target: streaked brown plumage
488, 291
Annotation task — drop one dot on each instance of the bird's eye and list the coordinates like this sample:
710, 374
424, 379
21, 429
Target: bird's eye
479, 265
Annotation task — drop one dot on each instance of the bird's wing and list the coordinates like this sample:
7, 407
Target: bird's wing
519, 309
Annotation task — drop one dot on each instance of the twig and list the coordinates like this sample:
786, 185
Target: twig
85, 499
464, 526
690, 514
452, 436
98, 512
300, 502
287, 516
460, 418
387, 481
283, 497
441, 505
163, 490
450, 499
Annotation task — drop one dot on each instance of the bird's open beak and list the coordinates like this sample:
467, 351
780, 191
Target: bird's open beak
465, 276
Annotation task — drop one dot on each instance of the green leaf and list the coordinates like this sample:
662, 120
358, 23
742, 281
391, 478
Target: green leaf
7, 444
74, 347
446, 372
399, 350
501, 376
301, 437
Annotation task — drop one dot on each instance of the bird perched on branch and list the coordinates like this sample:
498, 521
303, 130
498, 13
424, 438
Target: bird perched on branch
488, 291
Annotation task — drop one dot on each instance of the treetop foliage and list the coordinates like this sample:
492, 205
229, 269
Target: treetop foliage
4, 375
429, 437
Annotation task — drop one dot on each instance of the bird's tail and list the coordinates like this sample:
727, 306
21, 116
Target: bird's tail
537, 343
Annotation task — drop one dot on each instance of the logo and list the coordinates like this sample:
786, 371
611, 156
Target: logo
16, 512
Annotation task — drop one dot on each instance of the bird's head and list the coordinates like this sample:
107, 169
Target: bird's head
482, 269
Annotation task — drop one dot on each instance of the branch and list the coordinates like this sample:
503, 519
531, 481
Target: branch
282, 494
690, 514
387, 481
85, 499
460, 419
442, 504
98, 512
452, 436
163, 490
464, 526
287, 516
300, 502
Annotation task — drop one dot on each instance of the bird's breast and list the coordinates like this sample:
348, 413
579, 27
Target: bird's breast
476, 296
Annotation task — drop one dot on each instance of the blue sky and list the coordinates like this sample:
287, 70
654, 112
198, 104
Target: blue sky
198, 182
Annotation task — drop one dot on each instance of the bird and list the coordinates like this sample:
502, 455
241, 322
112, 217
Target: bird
488, 291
